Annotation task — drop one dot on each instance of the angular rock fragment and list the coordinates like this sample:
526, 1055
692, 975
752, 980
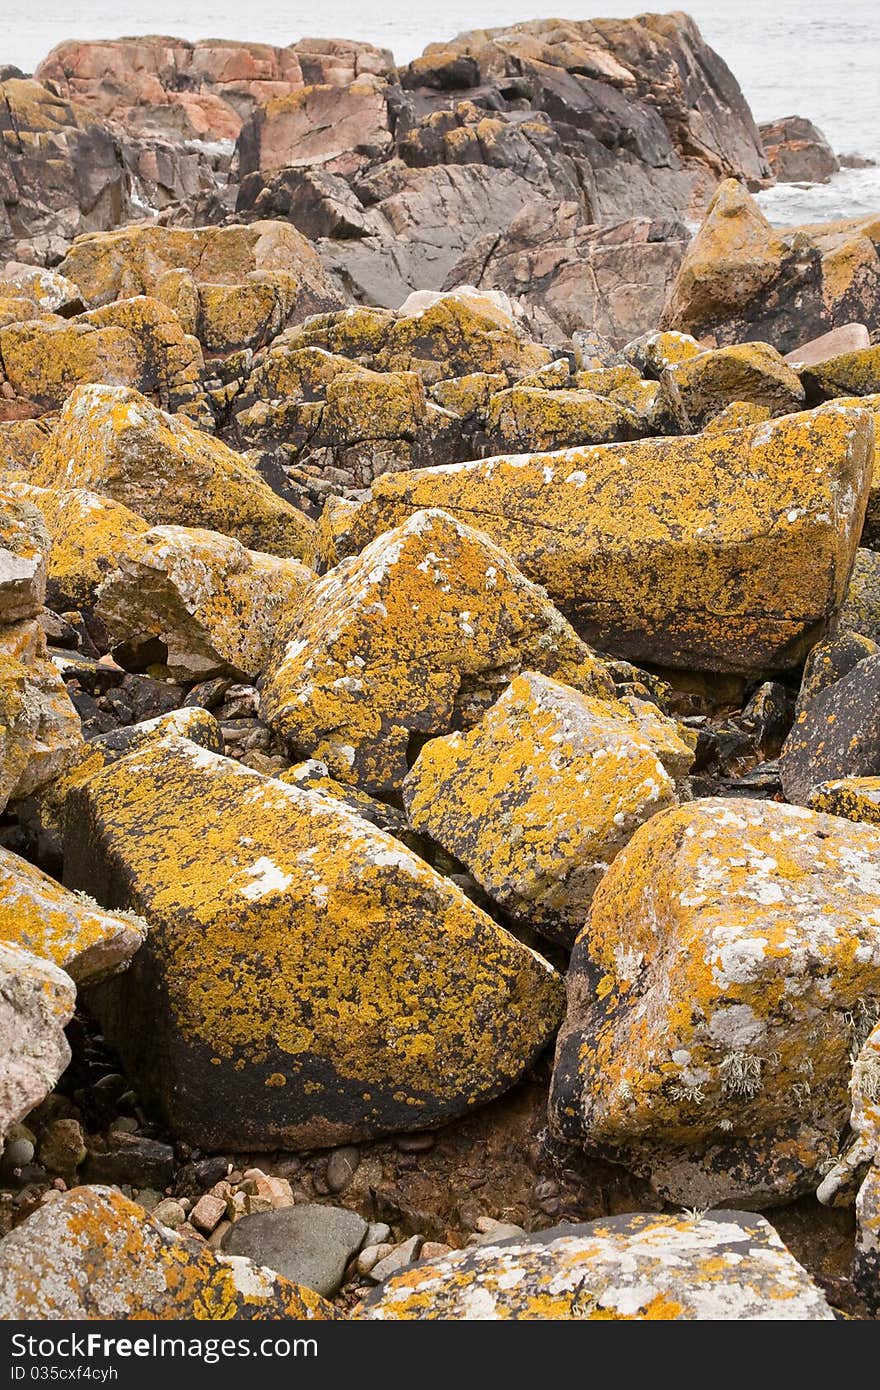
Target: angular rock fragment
399, 643
24, 551
860, 611
538, 799
113, 441
836, 735
751, 372
319, 982
197, 603
854, 798
37, 1000
850, 374
39, 916
829, 661
725, 1266
39, 728
92, 1254
714, 997
720, 552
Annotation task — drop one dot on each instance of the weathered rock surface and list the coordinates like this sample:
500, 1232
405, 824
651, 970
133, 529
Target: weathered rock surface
722, 1266
36, 1002
197, 603
670, 551
113, 441
319, 982
713, 997
39, 727
92, 1254
400, 643
538, 799
39, 916
855, 798
310, 1245
754, 373
837, 734
742, 279
24, 551
797, 151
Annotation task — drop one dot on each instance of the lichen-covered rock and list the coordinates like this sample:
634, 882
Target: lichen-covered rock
87, 533
111, 440
39, 728
866, 1264
24, 551
714, 996
829, 661
854, 798
37, 1000
725, 552
527, 417
418, 632
860, 610
850, 374
720, 1267
20, 444
133, 342
750, 372
197, 603
192, 723
245, 282
375, 405
40, 916
538, 799
93, 1254
319, 982
742, 278
837, 734
313, 776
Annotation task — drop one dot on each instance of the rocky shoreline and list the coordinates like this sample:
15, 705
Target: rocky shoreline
440, 683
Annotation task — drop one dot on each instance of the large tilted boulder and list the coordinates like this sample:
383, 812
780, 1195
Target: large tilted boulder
720, 552
543, 793
36, 1002
197, 603
836, 734
40, 916
404, 641
113, 441
743, 279
750, 372
318, 982
136, 342
714, 996
93, 1254
726, 1266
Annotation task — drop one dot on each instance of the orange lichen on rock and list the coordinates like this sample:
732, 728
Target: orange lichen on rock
93, 1254
726, 552
111, 440
538, 799
726, 1266
24, 551
712, 999
289, 938
37, 1000
40, 730
421, 630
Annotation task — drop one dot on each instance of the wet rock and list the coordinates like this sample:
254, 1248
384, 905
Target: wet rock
797, 151
91, 1254
305, 884
836, 735
197, 603
671, 551
541, 795
36, 1001
310, 1245
723, 1266
419, 631
114, 441
712, 999
41, 917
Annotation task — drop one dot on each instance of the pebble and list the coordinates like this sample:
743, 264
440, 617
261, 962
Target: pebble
341, 1168
378, 1232
489, 1231
309, 1244
416, 1143
371, 1255
397, 1259
170, 1213
208, 1212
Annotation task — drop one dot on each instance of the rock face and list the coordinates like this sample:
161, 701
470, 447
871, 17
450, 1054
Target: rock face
538, 799
713, 997
197, 603
41, 917
669, 550
36, 1001
742, 279
24, 550
724, 1266
319, 983
837, 734
92, 1254
797, 151
402, 642
113, 441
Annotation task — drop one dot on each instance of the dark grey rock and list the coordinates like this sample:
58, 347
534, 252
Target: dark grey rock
310, 1244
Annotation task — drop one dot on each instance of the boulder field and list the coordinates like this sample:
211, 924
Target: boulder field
439, 689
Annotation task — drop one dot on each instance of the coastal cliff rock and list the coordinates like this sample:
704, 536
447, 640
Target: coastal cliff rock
797, 151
